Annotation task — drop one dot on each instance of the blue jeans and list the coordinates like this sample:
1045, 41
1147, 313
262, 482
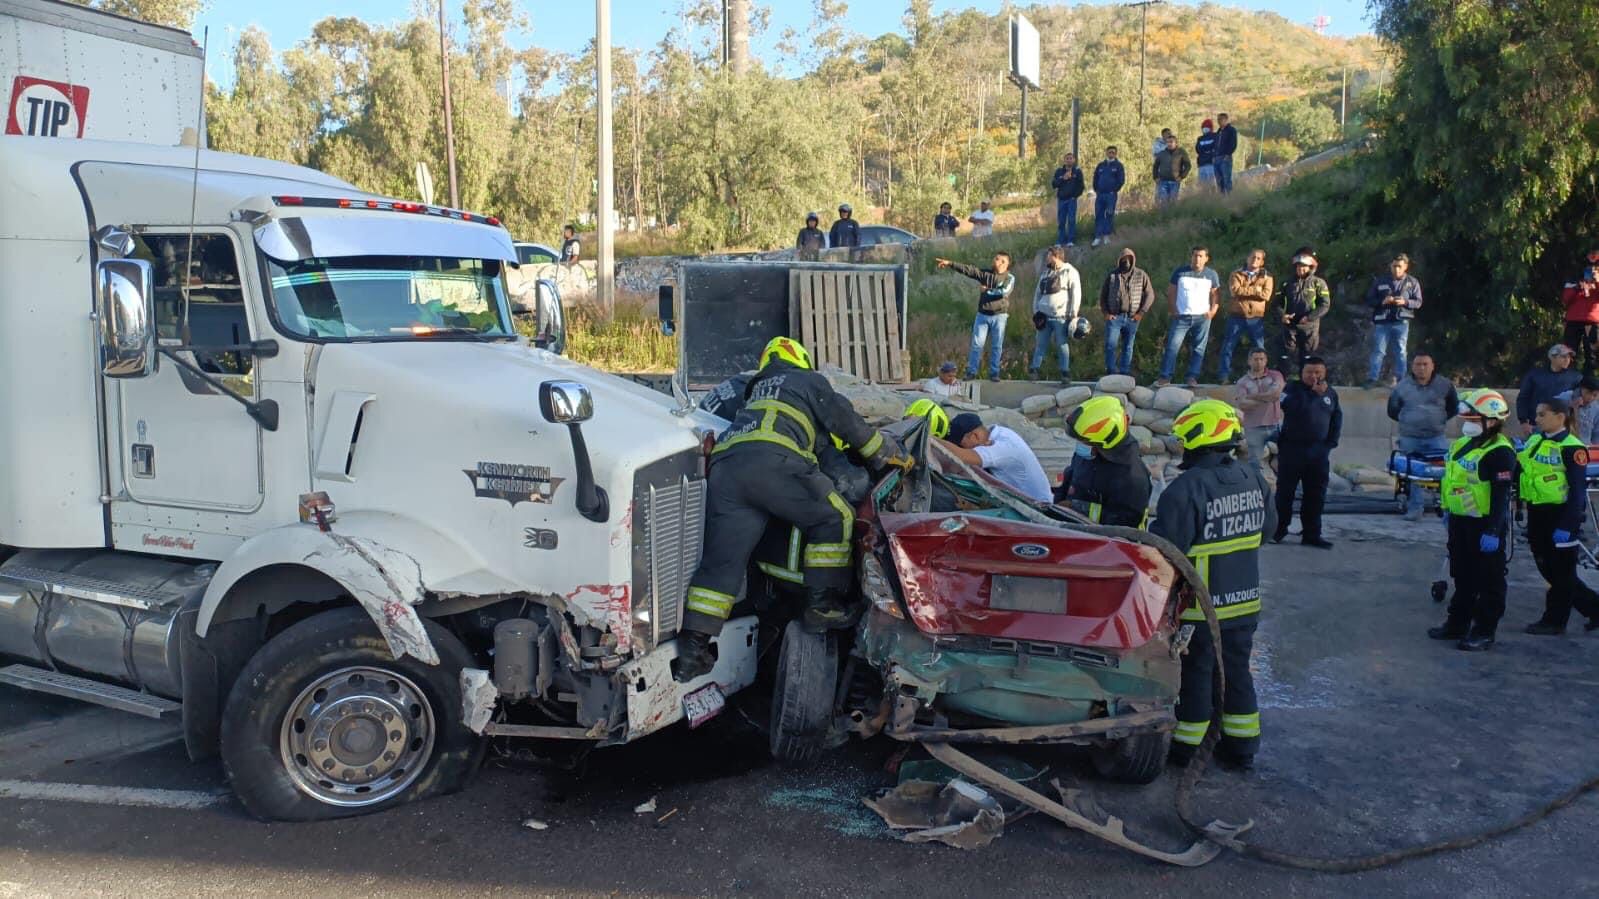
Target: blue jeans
1386, 338
983, 327
1426, 448
1224, 174
1166, 192
1237, 327
1192, 329
1055, 333
1104, 214
1207, 174
1119, 335
1066, 221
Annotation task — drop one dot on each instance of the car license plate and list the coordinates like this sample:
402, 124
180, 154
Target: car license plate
1027, 594
703, 704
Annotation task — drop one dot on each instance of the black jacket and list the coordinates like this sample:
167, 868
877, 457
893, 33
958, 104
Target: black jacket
1219, 498
1117, 480
1540, 385
810, 240
1306, 299
727, 398
995, 298
1310, 421
826, 413
1226, 141
1385, 287
1205, 149
1068, 184
945, 225
844, 233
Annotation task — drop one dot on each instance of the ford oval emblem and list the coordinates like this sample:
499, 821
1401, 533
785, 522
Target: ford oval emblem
1030, 550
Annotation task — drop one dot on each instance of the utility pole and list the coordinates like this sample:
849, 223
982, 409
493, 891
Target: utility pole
605, 269
1021, 133
449, 115
1343, 103
1143, 44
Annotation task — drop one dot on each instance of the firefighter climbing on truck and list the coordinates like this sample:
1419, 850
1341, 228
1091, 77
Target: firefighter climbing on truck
1107, 479
1215, 513
765, 466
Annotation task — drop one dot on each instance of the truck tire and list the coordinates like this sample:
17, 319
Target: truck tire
802, 697
1135, 760
323, 722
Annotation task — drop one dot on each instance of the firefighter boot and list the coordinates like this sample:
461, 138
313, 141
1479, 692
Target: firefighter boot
826, 609
694, 656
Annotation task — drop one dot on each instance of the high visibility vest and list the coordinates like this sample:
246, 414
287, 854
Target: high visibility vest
1543, 469
1237, 603
1463, 492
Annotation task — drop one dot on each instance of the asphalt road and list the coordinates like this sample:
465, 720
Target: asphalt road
1374, 737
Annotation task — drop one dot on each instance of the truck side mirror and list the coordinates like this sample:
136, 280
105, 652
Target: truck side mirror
569, 403
666, 311
125, 304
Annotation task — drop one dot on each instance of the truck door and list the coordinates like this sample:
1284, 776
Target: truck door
182, 442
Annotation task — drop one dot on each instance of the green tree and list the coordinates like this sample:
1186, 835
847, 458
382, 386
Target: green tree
176, 13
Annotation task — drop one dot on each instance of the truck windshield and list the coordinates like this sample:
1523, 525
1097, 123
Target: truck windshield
390, 297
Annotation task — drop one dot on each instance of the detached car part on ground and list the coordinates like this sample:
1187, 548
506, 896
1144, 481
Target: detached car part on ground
984, 624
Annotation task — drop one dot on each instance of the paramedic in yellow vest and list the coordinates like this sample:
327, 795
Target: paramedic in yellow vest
1554, 472
1107, 480
1215, 513
1479, 473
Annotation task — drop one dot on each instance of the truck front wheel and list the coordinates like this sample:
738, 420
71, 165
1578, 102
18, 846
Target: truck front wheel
324, 722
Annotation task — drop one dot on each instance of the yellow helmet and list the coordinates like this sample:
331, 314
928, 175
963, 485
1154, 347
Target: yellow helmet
1101, 421
1207, 422
787, 349
937, 418
1484, 403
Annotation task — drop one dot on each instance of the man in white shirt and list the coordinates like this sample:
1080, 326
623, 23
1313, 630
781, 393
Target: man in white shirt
1194, 297
1058, 298
948, 382
982, 220
1001, 452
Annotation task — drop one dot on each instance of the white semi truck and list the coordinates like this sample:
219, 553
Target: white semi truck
274, 462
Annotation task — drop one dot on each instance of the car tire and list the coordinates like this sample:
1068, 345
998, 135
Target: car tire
1137, 759
394, 726
802, 697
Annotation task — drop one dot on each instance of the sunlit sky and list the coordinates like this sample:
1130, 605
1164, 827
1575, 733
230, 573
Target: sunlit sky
639, 24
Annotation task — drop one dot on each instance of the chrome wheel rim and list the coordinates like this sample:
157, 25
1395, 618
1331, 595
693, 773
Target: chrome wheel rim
357, 736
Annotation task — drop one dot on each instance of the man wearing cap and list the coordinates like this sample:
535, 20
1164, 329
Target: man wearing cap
1305, 302
1205, 153
1543, 384
1394, 300
946, 383
999, 451
846, 232
811, 241
945, 224
1581, 299
982, 220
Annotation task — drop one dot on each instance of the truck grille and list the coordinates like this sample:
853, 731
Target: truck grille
674, 521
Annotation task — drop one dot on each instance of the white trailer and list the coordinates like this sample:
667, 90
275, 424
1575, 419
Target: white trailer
285, 471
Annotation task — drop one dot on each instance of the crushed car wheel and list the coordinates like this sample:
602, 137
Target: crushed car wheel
1136, 760
323, 722
802, 697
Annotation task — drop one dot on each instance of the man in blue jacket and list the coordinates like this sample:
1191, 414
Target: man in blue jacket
1205, 152
1068, 184
1226, 146
1109, 176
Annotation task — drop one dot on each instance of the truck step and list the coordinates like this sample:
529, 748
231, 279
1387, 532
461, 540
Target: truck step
57, 684
93, 589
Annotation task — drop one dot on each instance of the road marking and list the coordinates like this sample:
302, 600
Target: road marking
128, 796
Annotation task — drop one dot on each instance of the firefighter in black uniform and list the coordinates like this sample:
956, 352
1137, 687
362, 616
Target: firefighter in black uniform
726, 398
1475, 495
1215, 512
764, 466
1107, 481
1554, 475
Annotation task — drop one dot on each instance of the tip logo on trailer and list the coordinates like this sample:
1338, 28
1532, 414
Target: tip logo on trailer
41, 108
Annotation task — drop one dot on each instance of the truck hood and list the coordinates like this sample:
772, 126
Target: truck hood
448, 435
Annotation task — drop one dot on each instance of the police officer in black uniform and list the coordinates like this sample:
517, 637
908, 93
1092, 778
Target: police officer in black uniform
1312, 424
1107, 481
764, 467
811, 240
1215, 512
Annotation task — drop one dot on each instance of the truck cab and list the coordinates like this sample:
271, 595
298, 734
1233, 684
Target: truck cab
279, 464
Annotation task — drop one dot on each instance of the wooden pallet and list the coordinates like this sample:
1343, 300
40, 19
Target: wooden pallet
850, 320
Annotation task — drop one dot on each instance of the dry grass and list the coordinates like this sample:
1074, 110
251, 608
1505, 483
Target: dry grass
631, 342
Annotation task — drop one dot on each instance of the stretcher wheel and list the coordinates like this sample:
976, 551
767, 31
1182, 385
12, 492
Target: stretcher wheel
1440, 589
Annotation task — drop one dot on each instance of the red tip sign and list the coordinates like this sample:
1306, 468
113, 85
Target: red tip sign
41, 108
